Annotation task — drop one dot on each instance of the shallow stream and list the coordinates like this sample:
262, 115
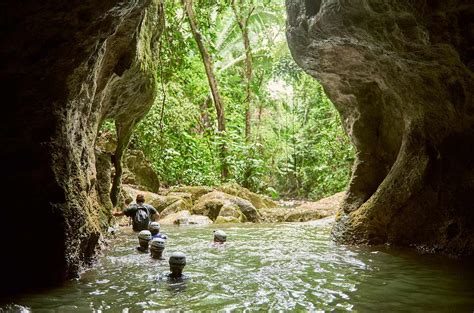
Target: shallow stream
289, 266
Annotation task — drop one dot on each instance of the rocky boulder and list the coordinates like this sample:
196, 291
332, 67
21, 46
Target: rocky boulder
138, 171
307, 211
400, 73
196, 192
163, 204
230, 214
214, 202
184, 217
258, 201
174, 205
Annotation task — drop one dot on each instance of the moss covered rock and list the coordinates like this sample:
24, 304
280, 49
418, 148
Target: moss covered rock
139, 172
196, 192
230, 214
184, 217
176, 206
307, 211
163, 204
258, 201
214, 202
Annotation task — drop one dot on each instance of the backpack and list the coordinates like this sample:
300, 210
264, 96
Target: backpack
141, 219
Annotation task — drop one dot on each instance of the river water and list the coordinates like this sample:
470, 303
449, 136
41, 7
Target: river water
288, 267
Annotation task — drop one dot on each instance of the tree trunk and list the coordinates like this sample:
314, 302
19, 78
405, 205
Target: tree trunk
242, 21
204, 119
206, 58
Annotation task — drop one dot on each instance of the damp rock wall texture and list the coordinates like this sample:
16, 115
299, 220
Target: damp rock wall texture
400, 74
67, 66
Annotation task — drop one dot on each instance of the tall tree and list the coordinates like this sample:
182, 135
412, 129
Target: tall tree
242, 15
207, 61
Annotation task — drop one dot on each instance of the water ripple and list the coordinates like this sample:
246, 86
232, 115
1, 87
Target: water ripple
278, 267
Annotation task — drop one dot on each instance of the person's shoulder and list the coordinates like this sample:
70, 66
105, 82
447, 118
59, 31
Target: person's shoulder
161, 236
149, 206
131, 207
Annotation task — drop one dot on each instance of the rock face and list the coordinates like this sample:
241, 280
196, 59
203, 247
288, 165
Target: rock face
401, 75
137, 169
307, 211
67, 67
139, 172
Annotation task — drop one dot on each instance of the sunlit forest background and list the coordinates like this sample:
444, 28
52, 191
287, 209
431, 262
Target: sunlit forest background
277, 132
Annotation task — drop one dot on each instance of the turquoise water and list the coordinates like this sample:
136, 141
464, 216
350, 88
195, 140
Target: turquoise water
287, 267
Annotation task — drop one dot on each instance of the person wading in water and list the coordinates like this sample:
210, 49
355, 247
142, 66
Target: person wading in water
140, 213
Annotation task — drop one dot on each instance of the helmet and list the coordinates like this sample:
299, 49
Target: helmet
220, 235
154, 226
177, 258
145, 235
157, 243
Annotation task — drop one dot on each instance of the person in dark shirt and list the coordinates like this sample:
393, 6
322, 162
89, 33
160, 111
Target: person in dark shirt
140, 222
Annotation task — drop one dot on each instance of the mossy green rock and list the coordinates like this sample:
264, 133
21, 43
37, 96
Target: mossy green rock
213, 203
185, 218
139, 172
258, 201
163, 204
307, 211
196, 192
227, 220
231, 214
179, 205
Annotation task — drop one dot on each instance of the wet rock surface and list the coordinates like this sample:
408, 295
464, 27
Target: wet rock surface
184, 217
212, 204
68, 66
139, 172
221, 208
258, 201
302, 211
400, 74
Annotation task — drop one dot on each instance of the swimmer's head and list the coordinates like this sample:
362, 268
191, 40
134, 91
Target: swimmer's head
144, 238
220, 236
177, 263
157, 246
154, 228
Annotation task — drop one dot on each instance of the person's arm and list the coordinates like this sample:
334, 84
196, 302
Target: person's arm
155, 216
118, 213
128, 211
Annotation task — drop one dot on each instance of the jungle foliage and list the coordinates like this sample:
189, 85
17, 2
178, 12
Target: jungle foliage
294, 144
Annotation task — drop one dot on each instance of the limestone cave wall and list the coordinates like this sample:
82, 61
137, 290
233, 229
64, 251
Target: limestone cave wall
401, 75
66, 66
